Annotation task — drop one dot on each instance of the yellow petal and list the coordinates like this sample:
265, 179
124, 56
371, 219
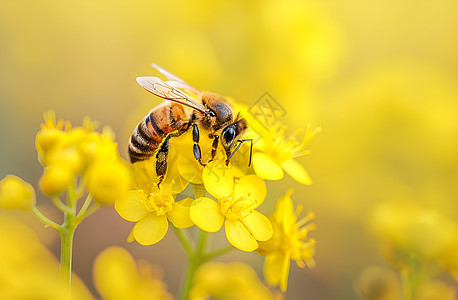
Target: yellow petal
284, 212
190, 170
218, 179
297, 171
276, 269
206, 214
115, 273
239, 236
258, 225
16, 194
265, 167
150, 229
253, 188
179, 215
130, 206
284, 271
179, 184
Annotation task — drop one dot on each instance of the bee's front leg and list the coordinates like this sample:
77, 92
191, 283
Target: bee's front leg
196, 147
214, 146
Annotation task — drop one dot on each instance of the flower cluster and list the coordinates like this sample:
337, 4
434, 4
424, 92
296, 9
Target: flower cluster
79, 161
225, 195
67, 152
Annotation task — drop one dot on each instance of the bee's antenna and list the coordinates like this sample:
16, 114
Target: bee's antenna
238, 146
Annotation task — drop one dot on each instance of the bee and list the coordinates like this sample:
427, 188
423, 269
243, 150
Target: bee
206, 111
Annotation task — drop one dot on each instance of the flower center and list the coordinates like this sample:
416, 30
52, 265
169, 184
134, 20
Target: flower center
283, 148
235, 209
159, 202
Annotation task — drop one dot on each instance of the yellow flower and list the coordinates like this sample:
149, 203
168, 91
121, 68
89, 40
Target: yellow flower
235, 208
146, 179
16, 193
407, 231
275, 152
117, 277
151, 212
289, 242
234, 280
67, 152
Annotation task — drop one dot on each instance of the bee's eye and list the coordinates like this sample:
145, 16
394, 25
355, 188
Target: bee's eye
211, 113
229, 134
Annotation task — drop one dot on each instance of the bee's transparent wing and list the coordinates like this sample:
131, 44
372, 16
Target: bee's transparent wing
176, 81
162, 89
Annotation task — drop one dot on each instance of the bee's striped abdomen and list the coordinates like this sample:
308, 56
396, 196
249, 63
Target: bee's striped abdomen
150, 132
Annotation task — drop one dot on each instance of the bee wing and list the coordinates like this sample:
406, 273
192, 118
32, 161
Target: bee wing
179, 82
156, 86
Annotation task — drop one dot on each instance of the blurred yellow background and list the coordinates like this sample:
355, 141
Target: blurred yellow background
379, 77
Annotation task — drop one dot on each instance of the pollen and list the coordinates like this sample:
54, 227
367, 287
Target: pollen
282, 147
159, 202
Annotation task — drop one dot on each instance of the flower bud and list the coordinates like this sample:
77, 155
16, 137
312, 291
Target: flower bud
16, 194
45, 140
108, 180
55, 180
69, 158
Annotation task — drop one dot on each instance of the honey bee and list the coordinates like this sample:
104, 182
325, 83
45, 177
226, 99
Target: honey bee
207, 111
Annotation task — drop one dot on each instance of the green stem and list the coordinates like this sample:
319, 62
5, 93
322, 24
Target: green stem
411, 278
60, 205
195, 259
217, 253
85, 205
66, 239
183, 240
45, 220
66, 236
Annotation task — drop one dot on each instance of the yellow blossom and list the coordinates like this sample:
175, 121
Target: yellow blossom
188, 167
275, 152
16, 194
289, 242
118, 277
151, 211
68, 152
407, 231
228, 281
235, 207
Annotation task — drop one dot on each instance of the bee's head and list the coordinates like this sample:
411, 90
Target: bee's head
232, 133
219, 111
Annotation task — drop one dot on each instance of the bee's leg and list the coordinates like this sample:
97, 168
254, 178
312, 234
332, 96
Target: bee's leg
161, 159
214, 146
229, 155
196, 147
